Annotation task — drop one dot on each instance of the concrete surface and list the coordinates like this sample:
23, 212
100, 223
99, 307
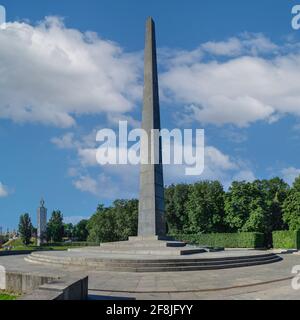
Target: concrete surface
70, 288
259, 282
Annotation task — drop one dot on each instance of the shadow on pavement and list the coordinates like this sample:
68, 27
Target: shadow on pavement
96, 297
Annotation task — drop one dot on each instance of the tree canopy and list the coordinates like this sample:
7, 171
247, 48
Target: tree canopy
205, 207
80, 232
55, 227
291, 207
113, 223
25, 228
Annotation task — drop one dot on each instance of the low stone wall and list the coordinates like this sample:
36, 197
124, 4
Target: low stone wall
25, 282
64, 289
35, 286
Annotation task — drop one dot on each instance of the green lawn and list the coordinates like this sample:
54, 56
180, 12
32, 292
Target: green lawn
46, 248
17, 245
6, 296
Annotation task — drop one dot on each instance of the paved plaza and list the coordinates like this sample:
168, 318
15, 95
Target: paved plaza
272, 281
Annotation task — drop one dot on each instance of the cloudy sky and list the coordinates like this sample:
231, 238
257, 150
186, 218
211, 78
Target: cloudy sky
70, 68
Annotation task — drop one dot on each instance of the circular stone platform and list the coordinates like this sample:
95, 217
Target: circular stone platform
95, 259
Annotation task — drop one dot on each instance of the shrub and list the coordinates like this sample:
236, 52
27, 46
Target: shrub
226, 240
286, 239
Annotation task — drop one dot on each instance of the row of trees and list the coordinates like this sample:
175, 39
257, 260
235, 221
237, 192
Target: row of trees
204, 207
56, 229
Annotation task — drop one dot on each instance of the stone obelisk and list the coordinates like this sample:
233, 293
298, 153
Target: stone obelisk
151, 201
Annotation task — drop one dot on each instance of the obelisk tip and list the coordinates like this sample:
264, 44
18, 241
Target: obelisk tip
150, 20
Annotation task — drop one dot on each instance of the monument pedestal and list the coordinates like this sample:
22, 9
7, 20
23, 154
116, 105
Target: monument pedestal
152, 245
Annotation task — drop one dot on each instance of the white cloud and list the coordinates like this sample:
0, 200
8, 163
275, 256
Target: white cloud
73, 172
74, 219
50, 74
290, 174
65, 142
244, 175
218, 166
231, 47
3, 190
112, 183
86, 184
257, 81
247, 43
88, 157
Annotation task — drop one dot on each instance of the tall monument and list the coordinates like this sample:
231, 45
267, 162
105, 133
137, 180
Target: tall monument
41, 223
151, 250
151, 205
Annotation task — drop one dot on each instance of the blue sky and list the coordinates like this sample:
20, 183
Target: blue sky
227, 66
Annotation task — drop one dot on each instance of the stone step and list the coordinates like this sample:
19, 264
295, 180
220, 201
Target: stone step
151, 238
160, 268
155, 265
206, 267
41, 255
156, 251
143, 244
156, 261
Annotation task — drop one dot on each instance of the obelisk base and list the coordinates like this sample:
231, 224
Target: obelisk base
141, 246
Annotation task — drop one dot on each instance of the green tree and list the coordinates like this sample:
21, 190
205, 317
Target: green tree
256, 206
34, 231
237, 202
296, 185
68, 230
176, 198
246, 207
102, 225
259, 217
55, 227
291, 207
275, 191
126, 215
80, 231
25, 228
114, 223
205, 207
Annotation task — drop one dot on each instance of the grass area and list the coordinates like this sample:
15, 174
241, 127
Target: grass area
17, 245
7, 296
